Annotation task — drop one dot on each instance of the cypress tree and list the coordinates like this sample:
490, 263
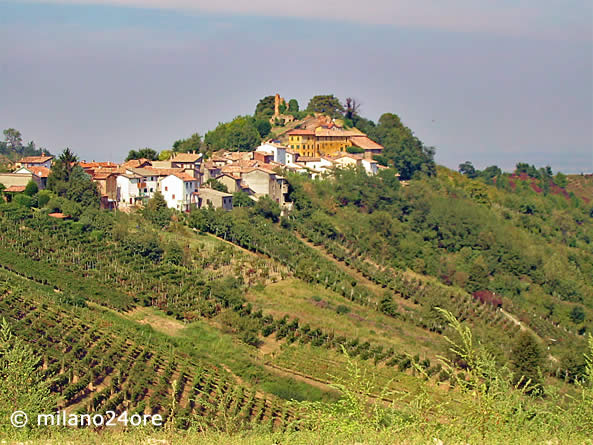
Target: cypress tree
527, 361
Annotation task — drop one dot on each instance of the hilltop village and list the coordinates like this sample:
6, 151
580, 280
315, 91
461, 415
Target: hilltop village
187, 180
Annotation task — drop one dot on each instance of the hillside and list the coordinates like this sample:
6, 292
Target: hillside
581, 186
458, 307
244, 314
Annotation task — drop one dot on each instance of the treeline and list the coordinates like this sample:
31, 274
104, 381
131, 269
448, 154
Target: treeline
445, 228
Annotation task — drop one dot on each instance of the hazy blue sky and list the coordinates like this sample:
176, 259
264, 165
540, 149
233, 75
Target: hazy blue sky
494, 82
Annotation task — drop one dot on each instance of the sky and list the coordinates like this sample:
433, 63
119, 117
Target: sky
490, 81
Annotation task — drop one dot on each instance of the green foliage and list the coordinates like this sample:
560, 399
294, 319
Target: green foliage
263, 127
354, 150
144, 153
560, 180
165, 155
468, 170
577, 315
241, 134
191, 144
268, 208
23, 200
293, 106
217, 185
326, 104
31, 188
242, 199
22, 385
403, 151
67, 179
156, 210
527, 361
265, 108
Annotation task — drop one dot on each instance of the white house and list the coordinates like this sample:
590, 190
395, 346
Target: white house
187, 161
128, 190
149, 183
36, 161
278, 151
180, 191
370, 166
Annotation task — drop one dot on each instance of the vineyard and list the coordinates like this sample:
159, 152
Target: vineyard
95, 363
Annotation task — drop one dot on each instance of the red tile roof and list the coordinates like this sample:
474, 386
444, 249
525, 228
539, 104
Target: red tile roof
35, 159
301, 133
365, 142
42, 172
58, 215
15, 188
186, 157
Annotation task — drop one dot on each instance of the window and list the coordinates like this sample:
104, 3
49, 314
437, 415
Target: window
173, 197
151, 190
166, 188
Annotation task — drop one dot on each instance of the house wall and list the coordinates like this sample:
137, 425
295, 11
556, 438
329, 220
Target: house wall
258, 181
231, 184
21, 179
178, 193
217, 199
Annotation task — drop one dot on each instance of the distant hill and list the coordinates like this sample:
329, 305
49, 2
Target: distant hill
581, 186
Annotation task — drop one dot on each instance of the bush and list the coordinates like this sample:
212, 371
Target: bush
341, 309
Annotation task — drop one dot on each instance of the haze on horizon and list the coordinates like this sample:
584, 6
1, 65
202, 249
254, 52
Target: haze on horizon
490, 82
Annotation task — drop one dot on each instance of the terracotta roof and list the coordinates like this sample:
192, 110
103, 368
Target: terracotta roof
186, 157
103, 175
135, 163
143, 171
42, 172
184, 177
337, 132
230, 175
94, 164
210, 191
300, 132
211, 166
15, 188
58, 215
35, 159
308, 159
365, 142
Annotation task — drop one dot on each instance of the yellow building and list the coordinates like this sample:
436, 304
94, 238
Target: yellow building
304, 142
323, 141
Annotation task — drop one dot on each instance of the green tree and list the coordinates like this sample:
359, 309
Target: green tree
263, 127
268, 208
467, 169
527, 361
191, 144
14, 139
144, 153
326, 104
403, 151
165, 155
560, 180
156, 210
242, 199
21, 380
240, 134
216, 185
82, 189
31, 188
293, 106
577, 315
265, 108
